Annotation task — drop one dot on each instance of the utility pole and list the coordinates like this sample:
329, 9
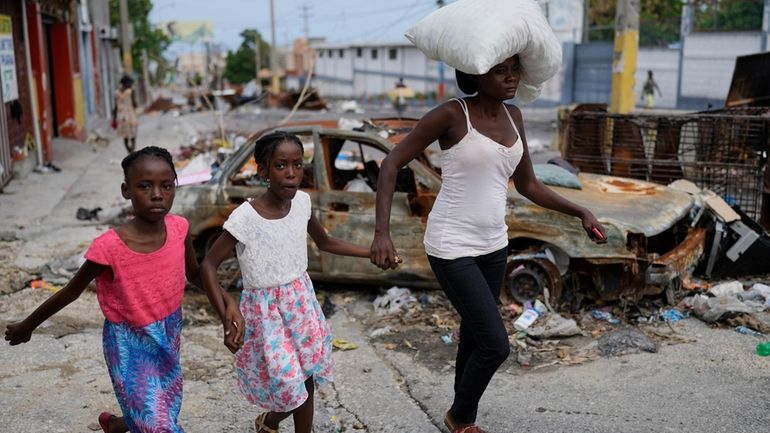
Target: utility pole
305, 16
128, 66
624, 56
586, 21
258, 57
276, 88
441, 83
146, 77
688, 18
765, 25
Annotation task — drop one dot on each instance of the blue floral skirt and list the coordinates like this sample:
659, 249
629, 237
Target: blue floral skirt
146, 374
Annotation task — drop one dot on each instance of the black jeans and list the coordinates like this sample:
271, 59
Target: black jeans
473, 286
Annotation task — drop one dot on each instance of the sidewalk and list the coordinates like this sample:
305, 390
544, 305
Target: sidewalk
40, 209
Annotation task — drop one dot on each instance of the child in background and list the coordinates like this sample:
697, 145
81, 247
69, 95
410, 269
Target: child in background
140, 270
124, 113
286, 343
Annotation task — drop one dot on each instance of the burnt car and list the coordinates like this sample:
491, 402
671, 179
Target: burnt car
650, 243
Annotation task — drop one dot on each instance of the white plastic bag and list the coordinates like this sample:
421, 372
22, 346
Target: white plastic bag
475, 35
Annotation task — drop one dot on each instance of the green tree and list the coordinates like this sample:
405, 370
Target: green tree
659, 22
146, 36
240, 65
728, 15
601, 20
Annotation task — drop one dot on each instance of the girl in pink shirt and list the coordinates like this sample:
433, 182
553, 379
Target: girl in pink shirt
140, 270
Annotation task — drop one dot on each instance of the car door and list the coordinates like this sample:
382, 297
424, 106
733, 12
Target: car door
347, 205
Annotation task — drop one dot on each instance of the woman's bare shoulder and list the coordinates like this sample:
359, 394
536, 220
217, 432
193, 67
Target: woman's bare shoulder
445, 114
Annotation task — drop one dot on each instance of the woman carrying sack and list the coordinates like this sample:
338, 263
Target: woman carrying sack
483, 145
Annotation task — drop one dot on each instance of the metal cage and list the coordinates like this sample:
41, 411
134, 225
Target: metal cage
724, 151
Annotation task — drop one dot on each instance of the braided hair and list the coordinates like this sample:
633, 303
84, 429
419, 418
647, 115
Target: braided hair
265, 146
149, 151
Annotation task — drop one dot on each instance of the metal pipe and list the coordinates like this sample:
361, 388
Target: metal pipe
35, 114
128, 66
685, 29
765, 25
273, 55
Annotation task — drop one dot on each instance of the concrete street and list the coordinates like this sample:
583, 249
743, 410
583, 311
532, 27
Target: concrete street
400, 382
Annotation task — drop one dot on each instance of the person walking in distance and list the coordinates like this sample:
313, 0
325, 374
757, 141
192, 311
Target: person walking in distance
124, 113
648, 91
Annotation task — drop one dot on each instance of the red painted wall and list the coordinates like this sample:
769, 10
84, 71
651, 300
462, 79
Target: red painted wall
63, 73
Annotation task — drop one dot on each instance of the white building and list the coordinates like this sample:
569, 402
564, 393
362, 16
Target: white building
371, 69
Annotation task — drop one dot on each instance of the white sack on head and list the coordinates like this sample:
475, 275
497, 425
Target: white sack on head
475, 35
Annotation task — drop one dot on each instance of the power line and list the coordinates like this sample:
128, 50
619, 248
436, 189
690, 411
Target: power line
305, 16
370, 12
409, 13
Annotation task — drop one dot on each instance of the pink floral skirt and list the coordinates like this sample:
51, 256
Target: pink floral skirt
287, 341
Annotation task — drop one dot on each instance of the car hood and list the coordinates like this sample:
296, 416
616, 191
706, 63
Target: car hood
622, 206
634, 205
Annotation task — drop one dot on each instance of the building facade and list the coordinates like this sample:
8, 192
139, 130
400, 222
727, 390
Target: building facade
370, 70
56, 72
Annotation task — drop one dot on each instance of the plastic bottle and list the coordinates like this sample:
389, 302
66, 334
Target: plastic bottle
763, 349
748, 331
526, 319
605, 316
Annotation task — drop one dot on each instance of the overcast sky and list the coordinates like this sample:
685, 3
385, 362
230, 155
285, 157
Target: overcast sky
336, 20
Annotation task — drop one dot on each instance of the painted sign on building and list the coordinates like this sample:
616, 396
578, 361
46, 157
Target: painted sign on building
7, 61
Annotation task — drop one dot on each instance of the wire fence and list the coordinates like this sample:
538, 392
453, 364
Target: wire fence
723, 151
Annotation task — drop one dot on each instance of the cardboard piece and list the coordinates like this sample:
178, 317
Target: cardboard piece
722, 209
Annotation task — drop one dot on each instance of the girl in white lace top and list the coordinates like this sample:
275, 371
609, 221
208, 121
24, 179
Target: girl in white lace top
282, 341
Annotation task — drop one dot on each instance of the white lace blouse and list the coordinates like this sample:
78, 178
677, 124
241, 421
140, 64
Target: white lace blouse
271, 252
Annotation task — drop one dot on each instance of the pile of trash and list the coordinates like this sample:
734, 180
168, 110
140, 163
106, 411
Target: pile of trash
199, 161
540, 337
395, 300
730, 303
739, 246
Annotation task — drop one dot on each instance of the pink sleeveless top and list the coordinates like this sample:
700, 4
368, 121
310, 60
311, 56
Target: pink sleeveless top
140, 288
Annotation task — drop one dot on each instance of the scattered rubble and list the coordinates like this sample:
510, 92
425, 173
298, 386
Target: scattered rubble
555, 326
624, 341
397, 299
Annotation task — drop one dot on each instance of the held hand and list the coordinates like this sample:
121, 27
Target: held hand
592, 227
383, 253
234, 325
17, 333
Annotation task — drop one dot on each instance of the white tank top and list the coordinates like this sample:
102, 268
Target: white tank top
468, 217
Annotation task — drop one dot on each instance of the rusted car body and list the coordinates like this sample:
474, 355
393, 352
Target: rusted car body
650, 244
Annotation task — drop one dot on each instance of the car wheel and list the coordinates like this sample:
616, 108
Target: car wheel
528, 279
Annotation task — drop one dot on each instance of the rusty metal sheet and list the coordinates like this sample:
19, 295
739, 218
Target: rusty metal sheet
678, 261
750, 86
